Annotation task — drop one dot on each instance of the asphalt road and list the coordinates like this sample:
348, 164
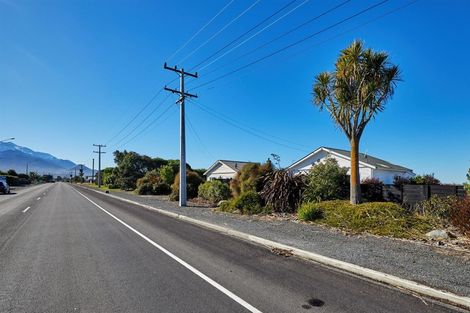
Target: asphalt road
69, 249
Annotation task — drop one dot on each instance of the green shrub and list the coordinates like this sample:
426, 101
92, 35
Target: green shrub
310, 211
399, 181
168, 172
282, 191
145, 189
200, 172
371, 189
214, 191
379, 218
436, 206
12, 180
161, 188
425, 179
152, 184
460, 214
226, 206
249, 202
250, 178
326, 181
193, 180
151, 177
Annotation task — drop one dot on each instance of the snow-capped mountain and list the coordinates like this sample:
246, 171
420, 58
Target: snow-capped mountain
19, 158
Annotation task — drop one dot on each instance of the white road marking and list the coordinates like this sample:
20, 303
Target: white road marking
24, 211
212, 282
39, 198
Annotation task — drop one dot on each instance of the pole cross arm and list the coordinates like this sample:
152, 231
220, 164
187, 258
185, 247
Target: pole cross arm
184, 94
179, 71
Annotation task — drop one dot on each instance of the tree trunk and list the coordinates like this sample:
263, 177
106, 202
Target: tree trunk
355, 191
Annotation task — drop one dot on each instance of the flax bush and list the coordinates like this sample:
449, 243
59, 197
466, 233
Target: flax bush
282, 191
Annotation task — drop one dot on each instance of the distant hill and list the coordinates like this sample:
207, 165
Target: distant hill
18, 158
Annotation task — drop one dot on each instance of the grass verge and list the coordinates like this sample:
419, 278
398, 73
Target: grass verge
104, 188
378, 218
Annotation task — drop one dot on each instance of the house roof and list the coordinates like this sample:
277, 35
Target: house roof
234, 165
365, 159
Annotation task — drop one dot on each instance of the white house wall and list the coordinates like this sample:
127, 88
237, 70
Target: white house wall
387, 176
306, 165
221, 171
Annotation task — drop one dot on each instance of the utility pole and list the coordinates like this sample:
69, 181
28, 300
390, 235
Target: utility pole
99, 161
93, 171
183, 95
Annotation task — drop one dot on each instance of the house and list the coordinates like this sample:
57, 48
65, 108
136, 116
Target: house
224, 169
369, 166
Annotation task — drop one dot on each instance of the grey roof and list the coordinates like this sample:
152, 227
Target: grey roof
234, 165
364, 158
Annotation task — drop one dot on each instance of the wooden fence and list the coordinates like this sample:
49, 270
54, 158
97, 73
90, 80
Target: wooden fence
412, 194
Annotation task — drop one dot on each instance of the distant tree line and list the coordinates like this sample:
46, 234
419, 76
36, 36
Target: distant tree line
146, 174
19, 179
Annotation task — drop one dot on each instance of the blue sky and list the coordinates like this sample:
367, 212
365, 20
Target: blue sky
74, 73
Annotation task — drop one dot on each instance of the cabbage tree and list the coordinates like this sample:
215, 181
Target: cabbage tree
354, 93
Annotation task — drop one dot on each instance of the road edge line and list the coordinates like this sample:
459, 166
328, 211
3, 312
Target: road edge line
389, 279
185, 264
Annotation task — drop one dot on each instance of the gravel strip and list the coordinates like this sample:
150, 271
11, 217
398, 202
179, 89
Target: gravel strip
438, 267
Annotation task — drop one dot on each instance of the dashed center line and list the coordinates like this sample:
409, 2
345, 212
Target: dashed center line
24, 211
39, 198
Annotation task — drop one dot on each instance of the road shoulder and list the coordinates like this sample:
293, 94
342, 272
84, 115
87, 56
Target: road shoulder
264, 234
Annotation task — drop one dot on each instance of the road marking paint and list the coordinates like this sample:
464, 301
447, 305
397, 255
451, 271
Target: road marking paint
402, 284
24, 211
209, 280
39, 198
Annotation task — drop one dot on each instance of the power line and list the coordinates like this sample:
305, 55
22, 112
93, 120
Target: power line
249, 131
196, 135
291, 45
147, 126
357, 27
281, 36
200, 30
192, 37
251, 128
243, 34
174, 53
219, 31
143, 121
255, 34
135, 116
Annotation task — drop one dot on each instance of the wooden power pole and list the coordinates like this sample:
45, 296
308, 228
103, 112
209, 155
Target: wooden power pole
183, 95
99, 161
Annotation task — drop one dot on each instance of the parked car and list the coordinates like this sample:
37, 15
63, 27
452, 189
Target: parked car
4, 188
